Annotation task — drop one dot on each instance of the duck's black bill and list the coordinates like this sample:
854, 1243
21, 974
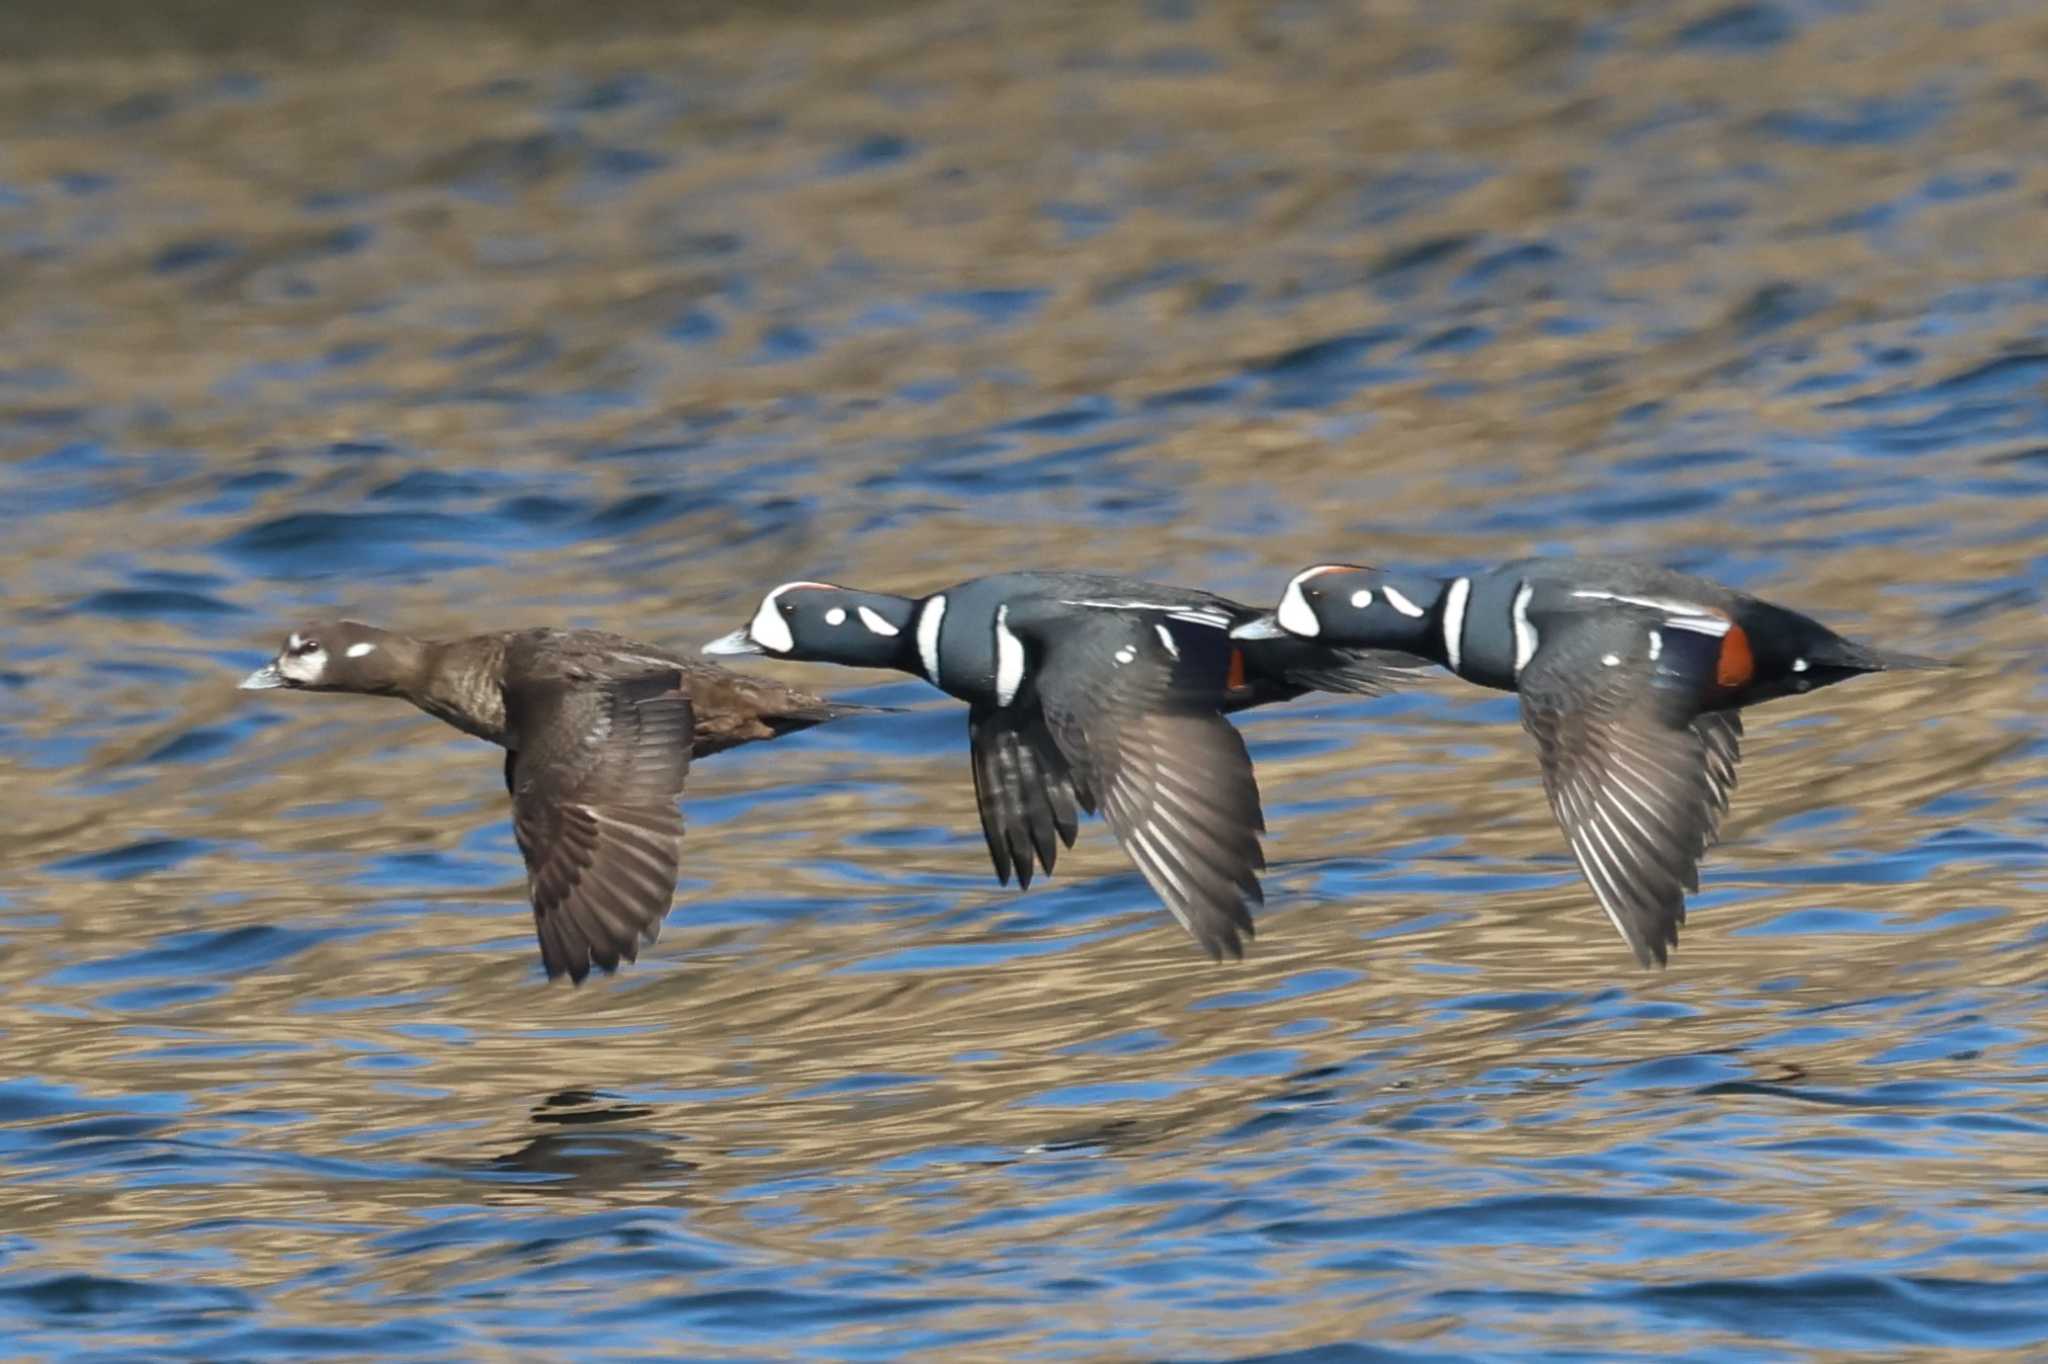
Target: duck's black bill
263, 679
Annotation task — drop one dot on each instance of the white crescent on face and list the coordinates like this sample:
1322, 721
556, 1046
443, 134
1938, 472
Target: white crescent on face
768, 629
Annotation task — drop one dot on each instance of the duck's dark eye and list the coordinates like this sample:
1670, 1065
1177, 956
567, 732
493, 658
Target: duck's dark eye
307, 646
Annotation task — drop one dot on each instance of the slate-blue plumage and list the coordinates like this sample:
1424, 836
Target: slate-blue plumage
1631, 678
1088, 692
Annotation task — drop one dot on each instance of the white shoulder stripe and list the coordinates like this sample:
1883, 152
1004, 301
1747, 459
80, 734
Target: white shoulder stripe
1525, 631
1009, 659
930, 617
1455, 598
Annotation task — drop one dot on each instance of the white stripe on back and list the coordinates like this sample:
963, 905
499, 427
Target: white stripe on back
1686, 615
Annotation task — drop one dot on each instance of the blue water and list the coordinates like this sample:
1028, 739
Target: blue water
622, 330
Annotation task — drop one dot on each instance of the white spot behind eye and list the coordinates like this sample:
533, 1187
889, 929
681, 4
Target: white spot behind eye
1799, 665
836, 616
358, 650
1362, 598
1126, 654
1611, 660
877, 622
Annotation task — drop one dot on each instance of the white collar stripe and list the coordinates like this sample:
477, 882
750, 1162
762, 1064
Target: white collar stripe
1455, 598
930, 617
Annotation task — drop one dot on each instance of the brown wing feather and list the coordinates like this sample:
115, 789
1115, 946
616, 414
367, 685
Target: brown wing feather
594, 813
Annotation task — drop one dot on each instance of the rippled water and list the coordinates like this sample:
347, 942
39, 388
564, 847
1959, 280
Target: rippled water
619, 328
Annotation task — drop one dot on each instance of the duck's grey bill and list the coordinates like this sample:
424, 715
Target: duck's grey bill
263, 679
1265, 627
738, 642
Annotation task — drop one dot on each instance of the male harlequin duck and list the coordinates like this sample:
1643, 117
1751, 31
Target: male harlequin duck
598, 732
1089, 692
1631, 678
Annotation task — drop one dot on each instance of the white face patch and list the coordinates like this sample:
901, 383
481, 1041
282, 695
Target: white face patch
1399, 601
876, 622
1526, 639
358, 650
1362, 598
929, 617
1656, 645
1127, 654
1611, 660
1009, 659
1800, 665
836, 616
1455, 597
1295, 615
302, 665
768, 629
1166, 639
